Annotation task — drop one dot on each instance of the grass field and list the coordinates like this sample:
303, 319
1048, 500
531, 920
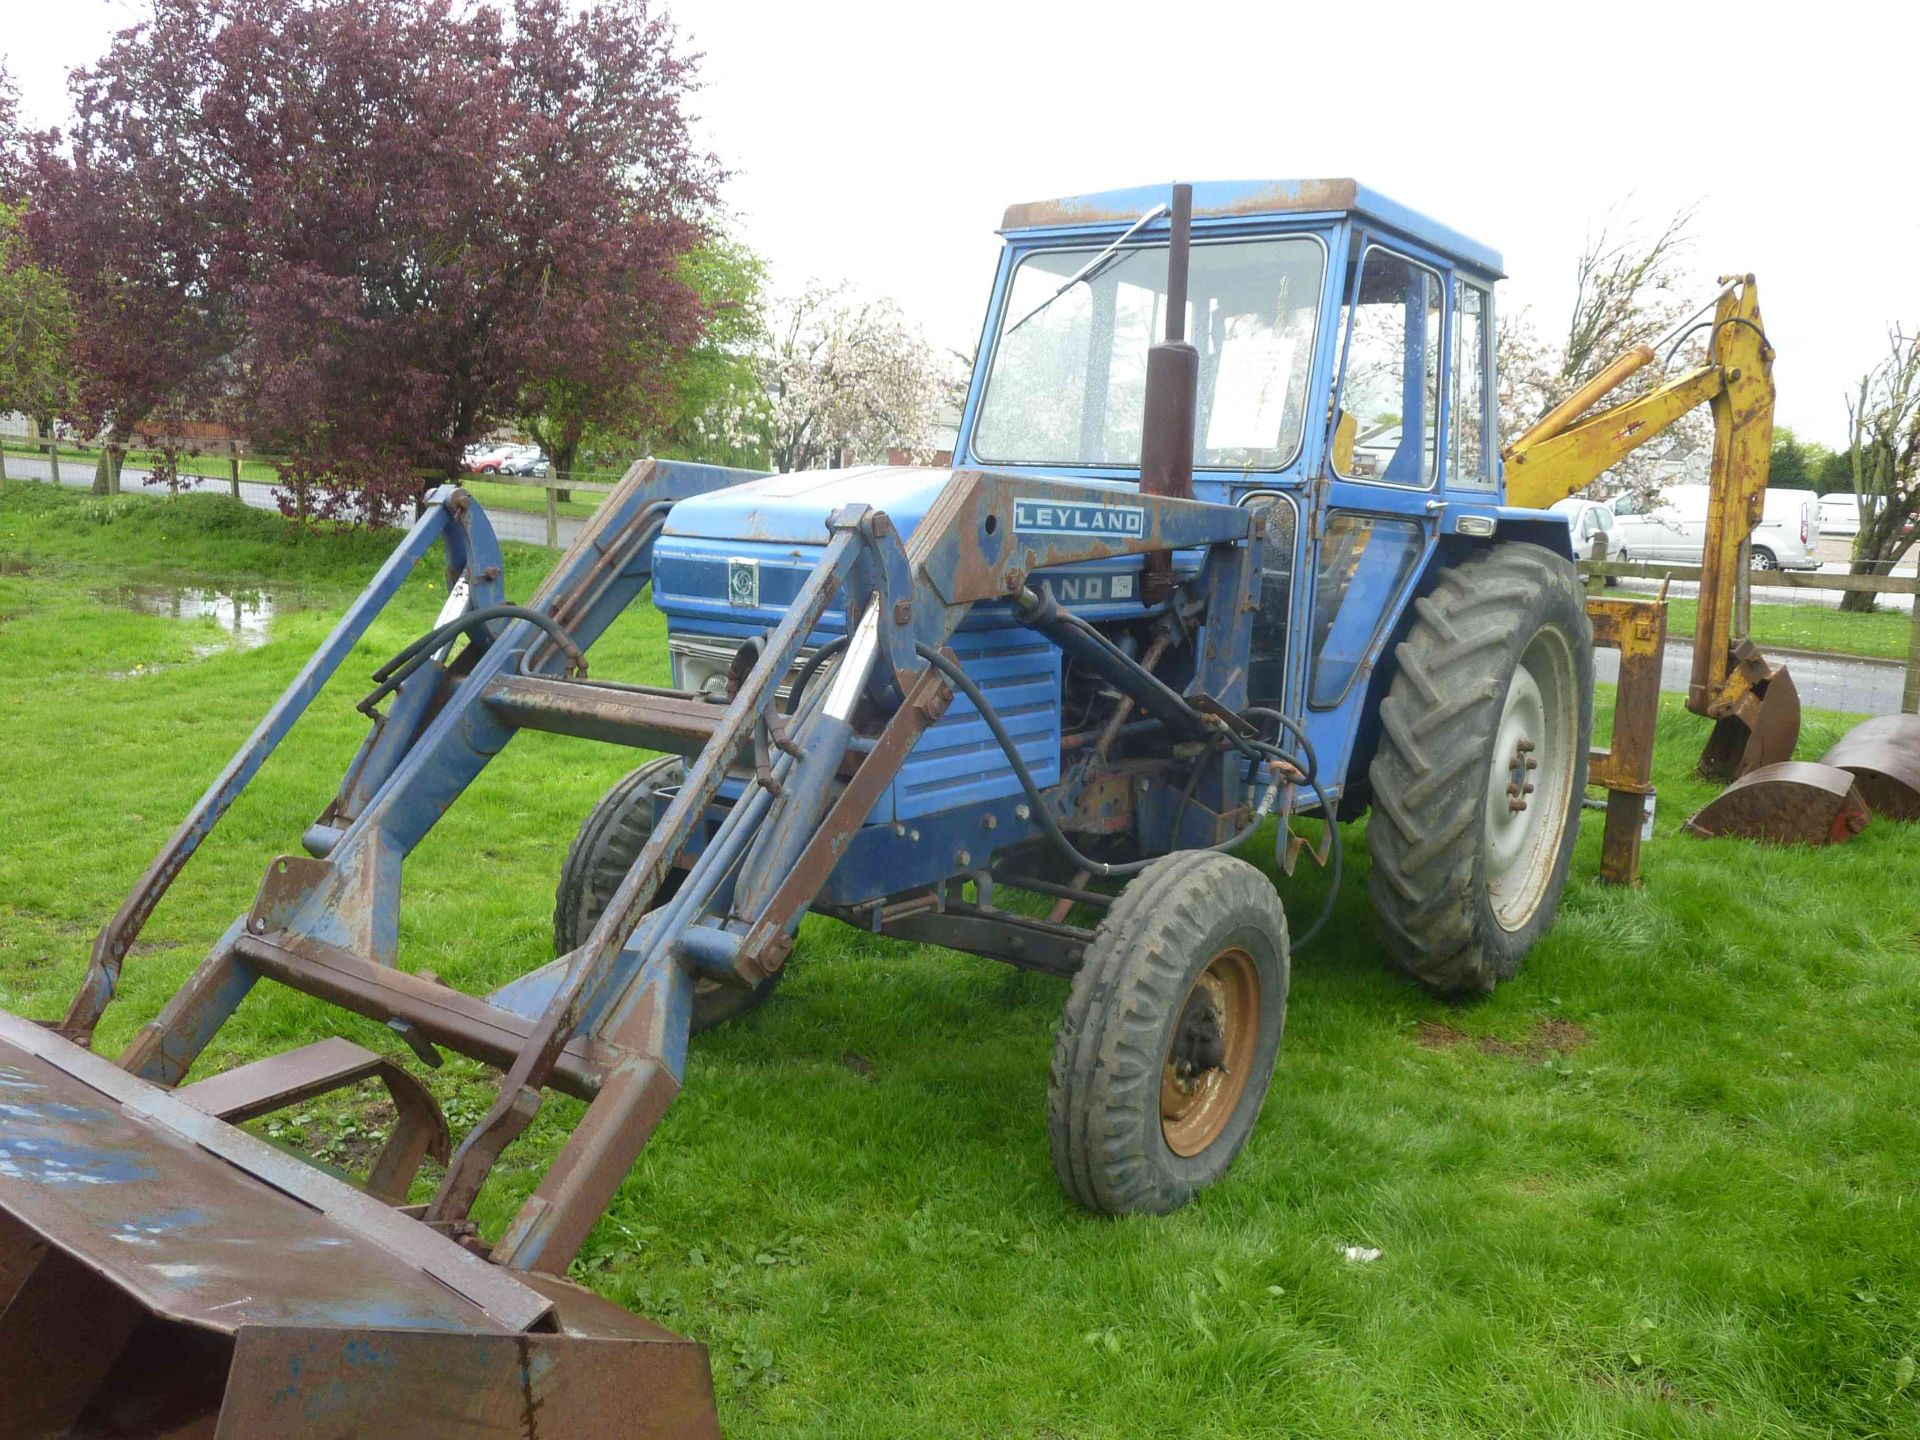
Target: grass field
1882, 634
1655, 1186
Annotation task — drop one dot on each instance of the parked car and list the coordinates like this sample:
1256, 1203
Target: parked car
527, 460
488, 459
1676, 530
1588, 520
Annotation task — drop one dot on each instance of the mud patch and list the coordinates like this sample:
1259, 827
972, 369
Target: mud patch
1544, 1038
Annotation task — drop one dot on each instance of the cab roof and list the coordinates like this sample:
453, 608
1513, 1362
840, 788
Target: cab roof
1223, 199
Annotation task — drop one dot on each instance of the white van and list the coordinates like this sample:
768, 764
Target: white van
1840, 512
1676, 530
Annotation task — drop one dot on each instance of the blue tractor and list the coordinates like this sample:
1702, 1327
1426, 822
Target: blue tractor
1223, 541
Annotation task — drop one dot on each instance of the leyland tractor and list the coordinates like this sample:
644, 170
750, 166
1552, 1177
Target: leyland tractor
1224, 543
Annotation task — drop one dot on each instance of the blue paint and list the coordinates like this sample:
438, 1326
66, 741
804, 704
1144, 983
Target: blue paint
49, 1160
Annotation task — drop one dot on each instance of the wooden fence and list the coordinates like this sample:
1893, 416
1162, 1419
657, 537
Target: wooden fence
1909, 585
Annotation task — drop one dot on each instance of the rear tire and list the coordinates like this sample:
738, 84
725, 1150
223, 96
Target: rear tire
1764, 559
609, 841
1169, 1036
1493, 693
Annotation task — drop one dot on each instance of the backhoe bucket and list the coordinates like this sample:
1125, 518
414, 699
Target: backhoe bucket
163, 1273
1792, 803
1765, 727
1883, 756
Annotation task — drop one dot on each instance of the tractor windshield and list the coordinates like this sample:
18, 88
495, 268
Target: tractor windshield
1068, 376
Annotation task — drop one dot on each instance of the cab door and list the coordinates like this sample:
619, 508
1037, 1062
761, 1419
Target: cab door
1378, 511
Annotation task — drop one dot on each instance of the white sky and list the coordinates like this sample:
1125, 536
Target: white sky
879, 142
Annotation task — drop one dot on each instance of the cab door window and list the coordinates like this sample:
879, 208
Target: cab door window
1387, 424
1469, 461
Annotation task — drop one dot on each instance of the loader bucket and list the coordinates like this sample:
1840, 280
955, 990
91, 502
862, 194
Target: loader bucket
1792, 803
1883, 756
1764, 728
163, 1273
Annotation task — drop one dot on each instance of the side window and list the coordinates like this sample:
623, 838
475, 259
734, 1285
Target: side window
1388, 425
1472, 364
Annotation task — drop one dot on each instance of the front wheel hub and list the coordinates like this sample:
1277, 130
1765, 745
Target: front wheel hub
1210, 1053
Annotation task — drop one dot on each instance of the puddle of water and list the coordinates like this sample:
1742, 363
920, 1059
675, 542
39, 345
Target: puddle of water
244, 614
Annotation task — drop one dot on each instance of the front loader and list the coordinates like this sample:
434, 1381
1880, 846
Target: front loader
1225, 542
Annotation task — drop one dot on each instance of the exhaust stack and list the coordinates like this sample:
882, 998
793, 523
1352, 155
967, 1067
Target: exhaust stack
1173, 380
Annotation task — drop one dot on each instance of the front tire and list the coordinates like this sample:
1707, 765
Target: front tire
1169, 1036
609, 841
1481, 768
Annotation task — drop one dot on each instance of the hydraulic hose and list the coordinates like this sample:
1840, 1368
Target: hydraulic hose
395, 672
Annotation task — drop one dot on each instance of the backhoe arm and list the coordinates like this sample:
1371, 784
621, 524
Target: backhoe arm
1561, 454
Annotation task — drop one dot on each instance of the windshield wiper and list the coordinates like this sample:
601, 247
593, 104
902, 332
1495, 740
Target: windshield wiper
1088, 270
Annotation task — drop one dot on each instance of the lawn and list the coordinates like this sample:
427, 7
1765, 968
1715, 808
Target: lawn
1655, 1186
1883, 634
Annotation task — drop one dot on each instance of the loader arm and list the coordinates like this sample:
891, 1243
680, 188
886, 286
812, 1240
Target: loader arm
1752, 702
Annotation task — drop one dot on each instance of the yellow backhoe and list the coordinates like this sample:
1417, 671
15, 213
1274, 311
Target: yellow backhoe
1752, 701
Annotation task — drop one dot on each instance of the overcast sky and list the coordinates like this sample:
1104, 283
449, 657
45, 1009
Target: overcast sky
880, 142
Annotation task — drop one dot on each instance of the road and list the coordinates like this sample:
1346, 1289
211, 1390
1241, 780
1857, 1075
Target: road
507, 524
1870, 687
1855, 686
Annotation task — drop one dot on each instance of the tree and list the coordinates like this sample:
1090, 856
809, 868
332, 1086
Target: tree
1796, 464
1883, 425
364, 229
36, 328
610, 167
846, 380
714, 409
1630, 287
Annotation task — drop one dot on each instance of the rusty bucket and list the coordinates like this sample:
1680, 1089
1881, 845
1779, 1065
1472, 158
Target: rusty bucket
1794, 802
164, 1273
1883, 756
1763, 726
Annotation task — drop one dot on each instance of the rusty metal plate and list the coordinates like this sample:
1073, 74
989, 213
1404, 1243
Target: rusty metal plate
1796, 802
298, 1384
1883, 756
203, 1223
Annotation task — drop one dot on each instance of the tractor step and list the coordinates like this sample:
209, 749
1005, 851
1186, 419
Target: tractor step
165, 1273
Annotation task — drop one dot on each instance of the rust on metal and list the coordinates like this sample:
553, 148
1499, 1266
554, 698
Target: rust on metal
1282, 197
1756, 714
1637, 628
1795, 802
1883, 756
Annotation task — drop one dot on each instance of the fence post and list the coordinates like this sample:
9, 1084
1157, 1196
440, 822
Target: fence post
553, 517
1597, 583
3, 462
233, 466
1910, 692
53, 458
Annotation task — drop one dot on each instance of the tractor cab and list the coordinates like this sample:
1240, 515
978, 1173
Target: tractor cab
1346, 383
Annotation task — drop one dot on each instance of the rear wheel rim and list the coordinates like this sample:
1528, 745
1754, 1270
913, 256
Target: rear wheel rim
1197, 1101
1530, 779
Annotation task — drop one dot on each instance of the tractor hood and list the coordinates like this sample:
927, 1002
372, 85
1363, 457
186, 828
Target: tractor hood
793, 509
730, 561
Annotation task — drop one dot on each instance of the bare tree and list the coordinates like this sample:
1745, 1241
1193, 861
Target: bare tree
1630, 286
1883, 423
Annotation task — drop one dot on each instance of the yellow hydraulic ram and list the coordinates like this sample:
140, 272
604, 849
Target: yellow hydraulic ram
1754, 704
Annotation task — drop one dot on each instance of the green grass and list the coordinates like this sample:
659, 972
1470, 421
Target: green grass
1691, 1222
1884, 634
